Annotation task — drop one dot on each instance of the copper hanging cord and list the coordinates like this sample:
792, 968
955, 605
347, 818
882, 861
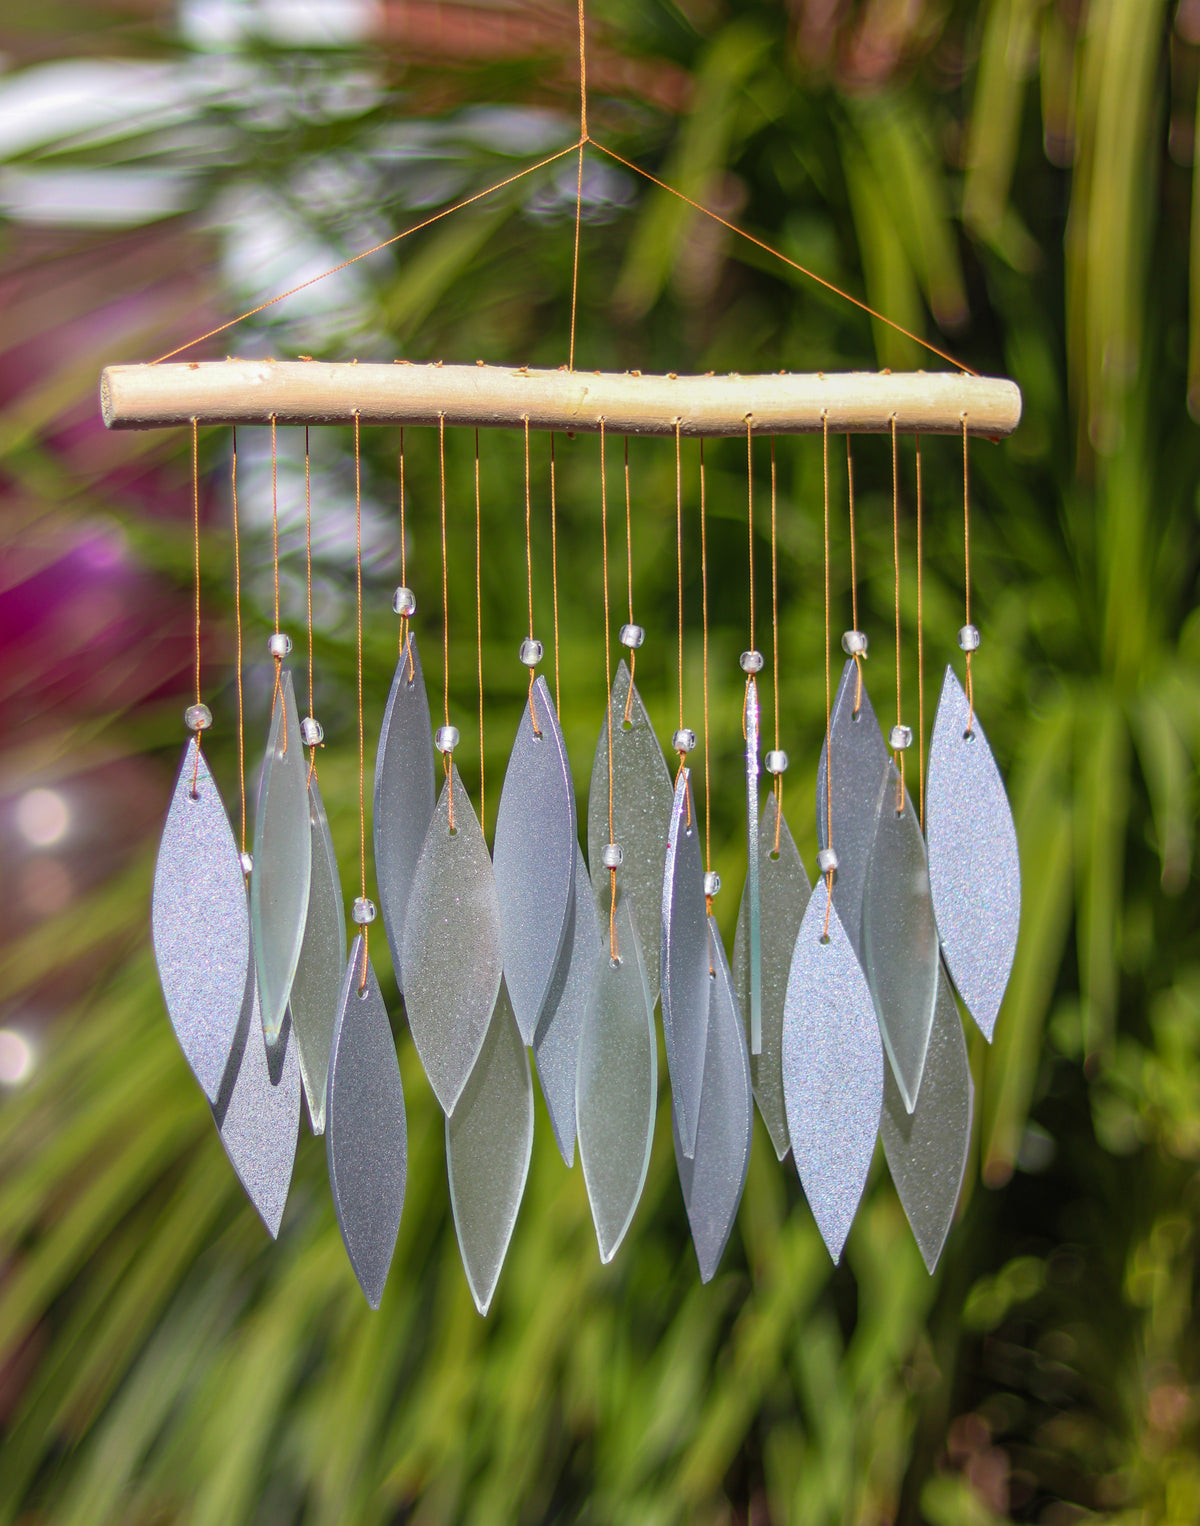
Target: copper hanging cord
553, 572
237, 615
897, 753
404, 619
708, 900
445, 621
277, 692
537, 731
858, 656
920, 650
967, 569
479, 646
613, 951
679, 583
362, 807
775, 653
583, 139
312, 755
627, 721
196, 580
828, 698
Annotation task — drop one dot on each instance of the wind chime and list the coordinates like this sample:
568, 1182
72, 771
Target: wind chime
838, 1015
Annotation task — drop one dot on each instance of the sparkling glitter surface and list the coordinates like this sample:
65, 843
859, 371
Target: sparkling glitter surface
317, 988
685, 964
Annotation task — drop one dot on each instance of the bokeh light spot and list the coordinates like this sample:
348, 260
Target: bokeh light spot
16, 1057
43, 817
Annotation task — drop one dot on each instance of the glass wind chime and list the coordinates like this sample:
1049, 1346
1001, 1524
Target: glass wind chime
838, 1015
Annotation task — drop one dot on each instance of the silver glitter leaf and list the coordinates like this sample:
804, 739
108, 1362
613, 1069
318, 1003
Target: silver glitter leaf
927, 1149
832, 1072
642, 797
451, 954
785, 891
685, 962
282, 859
200, 923
489, 1142
258, 1110
534, 856
404, 795
366, 1142
860, 757
974, 867
317, 988
714, 1178
618, 1084
751, 896
556, 1042
900, 941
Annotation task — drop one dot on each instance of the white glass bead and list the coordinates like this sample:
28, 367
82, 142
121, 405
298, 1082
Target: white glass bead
968, 638
446, 739
247, 861
751, 662
631, 635
827, 860
312, 733
712, 882
611, 855
278, 644
197, 717
854, 643
776, 762
531, 652
899, 738
684, 739
363, 911
404, 601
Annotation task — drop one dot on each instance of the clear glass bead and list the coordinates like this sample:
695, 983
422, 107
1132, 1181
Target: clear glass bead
900, 738
364, 910
751, 662
854, 643
531, 652
197, 717
776, 762
684, 739
279, 644
404, 601
312, 733
247, 862
446, 739
712, 882
827, 860
631, 636
968, 638
611, 855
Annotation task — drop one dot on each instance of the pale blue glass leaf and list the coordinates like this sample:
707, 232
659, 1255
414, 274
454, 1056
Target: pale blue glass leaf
404, 795
200, 923
974, 868
452, 958
714, 1178
927, 1149
489, 1142
642, 796
366, 1141
534, 855
618, 1084
900, 941
832, 1072
751, 896
685, 961
785, 891
860, 757
258, 1110
317, 988
282, 859
556, 1042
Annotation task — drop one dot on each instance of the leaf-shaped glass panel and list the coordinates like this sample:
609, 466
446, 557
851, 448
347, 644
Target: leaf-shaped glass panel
685, 962
200, 923
534, 855
366, 1142
404, 795
642, 797
974, 868
751, 895
785, 891
927, 1149
452, 958
832, 1072
860, 757
489, 1142
317, 988
618, 1084
900, 941
556, 1042
282, 859
714, 1178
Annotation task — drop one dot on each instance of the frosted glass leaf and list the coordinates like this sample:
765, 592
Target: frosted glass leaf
751, 896
200, 923
713, 1180
685, 963
860, 757
618, 1085
366, 1142
832, 1073
927, 1149
642, 796
534, 855
404, 795
900, 941
317, 988
974, 868
258, 1110
489, 1142
556, 1042
785, 892
452, 959
282, 860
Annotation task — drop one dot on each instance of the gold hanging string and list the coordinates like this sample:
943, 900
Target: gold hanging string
445, 618
629, 585
312, 756
967, 569
237, 615
404, 619
898, 752
362, 807
750, 516
479, 646
920, 650
858, 656
708, 900
529, 580
612, 873
828, 698
554, 575
277, 692
778, 778
679, 573
583, 138
196, 580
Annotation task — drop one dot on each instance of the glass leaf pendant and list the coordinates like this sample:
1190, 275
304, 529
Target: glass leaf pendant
685, 977
451, 954
713, 1180
282, 859
366, 1141
200, 923
556, 1042
900, 941
832, 1072
489, 1142
404, 795
534, 857
927, 1149
617, 1092
784, 890
974, 868
752, 896
641, 804
317, 988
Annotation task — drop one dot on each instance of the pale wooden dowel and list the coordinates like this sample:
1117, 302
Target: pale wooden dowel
313, 392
